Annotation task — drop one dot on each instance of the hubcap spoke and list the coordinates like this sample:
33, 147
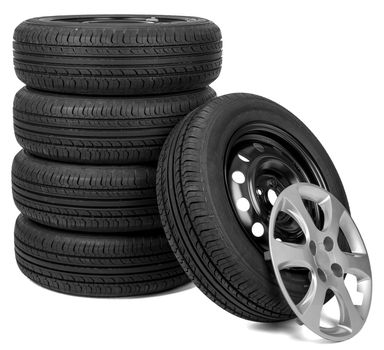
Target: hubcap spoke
357, 264
294, 206
312, 304
291, 255
333, 211
350, 317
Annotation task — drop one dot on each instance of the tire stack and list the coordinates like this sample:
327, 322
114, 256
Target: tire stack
102, 94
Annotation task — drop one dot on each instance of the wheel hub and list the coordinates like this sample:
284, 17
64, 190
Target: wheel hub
262, 161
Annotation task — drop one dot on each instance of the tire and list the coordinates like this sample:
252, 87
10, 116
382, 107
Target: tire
85, 198
196, 210
99, 130
118, 55
96, 265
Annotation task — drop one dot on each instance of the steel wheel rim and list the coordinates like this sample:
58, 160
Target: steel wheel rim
322, 261
267, 148
118, 19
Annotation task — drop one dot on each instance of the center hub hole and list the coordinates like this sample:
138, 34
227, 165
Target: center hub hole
272, 196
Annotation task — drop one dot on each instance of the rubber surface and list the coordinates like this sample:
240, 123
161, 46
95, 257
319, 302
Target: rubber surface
197, 215
85, 198
99, 130
95, 264
86, 55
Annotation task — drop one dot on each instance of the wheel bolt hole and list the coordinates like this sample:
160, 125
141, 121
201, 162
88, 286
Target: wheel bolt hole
243, 204
257, 229
312, 247
272, 196
321, 275
238, 177
328, 244
337, 270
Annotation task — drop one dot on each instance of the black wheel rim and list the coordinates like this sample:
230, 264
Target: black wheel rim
122, 19
261, 161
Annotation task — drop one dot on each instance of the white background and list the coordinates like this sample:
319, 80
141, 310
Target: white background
323, 60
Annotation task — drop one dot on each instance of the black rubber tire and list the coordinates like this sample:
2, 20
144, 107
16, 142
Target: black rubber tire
196, 211
95, 130
85, 198
96, 265
89, 55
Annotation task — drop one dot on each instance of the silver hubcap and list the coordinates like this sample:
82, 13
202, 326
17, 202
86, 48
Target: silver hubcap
327, 263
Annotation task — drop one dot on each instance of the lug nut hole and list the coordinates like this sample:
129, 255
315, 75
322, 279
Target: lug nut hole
337, 270
312, 247
328, 244
321, 275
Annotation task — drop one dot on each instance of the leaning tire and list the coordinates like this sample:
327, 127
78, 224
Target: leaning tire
200, 219
118, 55
85, 198
96, 265
95, 130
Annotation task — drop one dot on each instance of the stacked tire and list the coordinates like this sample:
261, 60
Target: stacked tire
102, 94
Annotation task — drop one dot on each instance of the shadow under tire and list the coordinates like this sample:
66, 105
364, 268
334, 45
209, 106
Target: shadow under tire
88, 198
99, 130
117, 55
200, 221
96, 265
